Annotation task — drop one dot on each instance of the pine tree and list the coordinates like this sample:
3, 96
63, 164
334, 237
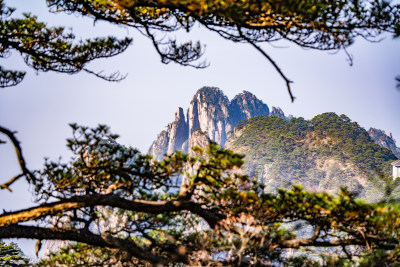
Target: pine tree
11, 255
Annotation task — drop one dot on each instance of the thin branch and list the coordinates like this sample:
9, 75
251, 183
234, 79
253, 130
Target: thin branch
316, 232
167, 57
363, 235
113, 77
10, 182
349, 256
277, 68
21, 160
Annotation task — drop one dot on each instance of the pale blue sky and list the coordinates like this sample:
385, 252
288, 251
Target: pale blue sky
139, 107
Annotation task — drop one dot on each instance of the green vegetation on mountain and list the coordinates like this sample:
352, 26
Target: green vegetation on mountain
351, 142
325, 152
212, 95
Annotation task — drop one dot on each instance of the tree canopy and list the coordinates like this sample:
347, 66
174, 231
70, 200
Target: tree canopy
322, 25
117, 206
11, 255
46, 48
301, 151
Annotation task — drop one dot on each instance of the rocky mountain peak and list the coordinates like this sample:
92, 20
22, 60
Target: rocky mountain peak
277, 112
211, 112
211, 95
246, 96
172, 137
246, 105
179, 115
178, 133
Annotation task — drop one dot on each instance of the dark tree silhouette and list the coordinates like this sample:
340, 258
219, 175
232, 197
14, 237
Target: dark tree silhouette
51, 49
322, 25
122, 207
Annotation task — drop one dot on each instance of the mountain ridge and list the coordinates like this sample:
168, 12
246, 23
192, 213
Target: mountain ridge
213, 113
323, 154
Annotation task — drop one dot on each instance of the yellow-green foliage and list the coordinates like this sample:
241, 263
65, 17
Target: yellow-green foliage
11, 255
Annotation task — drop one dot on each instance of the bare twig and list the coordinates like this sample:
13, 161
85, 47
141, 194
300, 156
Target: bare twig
21, 160
287, 81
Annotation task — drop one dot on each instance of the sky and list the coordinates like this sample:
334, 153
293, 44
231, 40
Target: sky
138, 108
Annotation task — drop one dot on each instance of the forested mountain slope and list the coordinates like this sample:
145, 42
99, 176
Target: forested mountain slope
322, 154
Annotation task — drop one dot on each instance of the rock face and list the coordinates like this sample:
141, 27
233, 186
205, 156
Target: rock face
246, 106
172, 137
211, 112
386, 141
198, 138
277, 112
178, 132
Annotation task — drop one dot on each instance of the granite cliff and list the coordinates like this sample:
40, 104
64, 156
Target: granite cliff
211, 112
172, 137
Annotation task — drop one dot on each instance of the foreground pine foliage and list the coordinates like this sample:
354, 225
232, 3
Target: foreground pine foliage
119, 207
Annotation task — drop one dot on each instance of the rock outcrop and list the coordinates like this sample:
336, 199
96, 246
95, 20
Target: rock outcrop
211, 112
386, 141
246, 106
172, 137
277, 112
198, 138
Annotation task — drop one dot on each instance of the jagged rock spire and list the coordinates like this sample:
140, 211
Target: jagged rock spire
210, 111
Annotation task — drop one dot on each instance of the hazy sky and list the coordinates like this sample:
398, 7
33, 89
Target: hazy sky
139, 107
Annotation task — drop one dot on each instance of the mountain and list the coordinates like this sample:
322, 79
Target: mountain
322, 154
211, 112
